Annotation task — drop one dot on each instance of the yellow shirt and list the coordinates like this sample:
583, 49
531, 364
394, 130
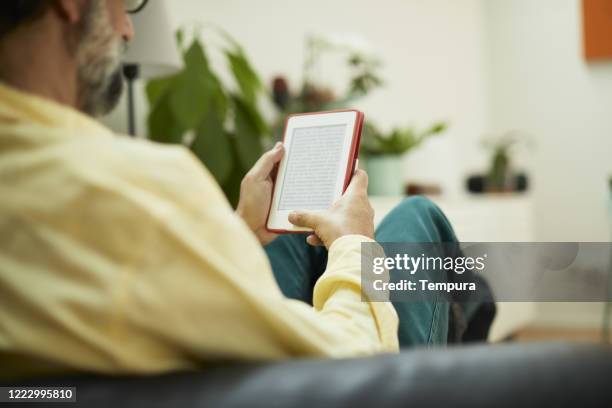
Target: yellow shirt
123, 256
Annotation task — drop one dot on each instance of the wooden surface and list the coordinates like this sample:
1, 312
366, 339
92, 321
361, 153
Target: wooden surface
597, 29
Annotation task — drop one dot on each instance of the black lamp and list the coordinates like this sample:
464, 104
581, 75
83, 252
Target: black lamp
152, 53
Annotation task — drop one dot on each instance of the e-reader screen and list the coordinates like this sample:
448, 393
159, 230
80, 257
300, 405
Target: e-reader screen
314, 157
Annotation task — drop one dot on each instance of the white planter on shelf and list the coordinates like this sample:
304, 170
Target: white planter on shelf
385, 175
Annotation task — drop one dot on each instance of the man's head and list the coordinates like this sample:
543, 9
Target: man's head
89, 36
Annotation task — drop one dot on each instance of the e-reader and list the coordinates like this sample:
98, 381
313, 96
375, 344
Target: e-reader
321, 152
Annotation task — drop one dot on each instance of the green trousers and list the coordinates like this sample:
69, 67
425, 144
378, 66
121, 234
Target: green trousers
297, 266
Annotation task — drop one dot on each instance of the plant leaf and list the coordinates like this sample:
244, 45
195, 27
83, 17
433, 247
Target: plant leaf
180, 39
231, 187
192, 88
163, 127
196, 100
248, 138
245, 76
156, 88
212, 145
255, 117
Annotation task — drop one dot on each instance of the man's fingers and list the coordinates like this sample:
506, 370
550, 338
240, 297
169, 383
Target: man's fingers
359, 181
264, 166
304, 219
314, 240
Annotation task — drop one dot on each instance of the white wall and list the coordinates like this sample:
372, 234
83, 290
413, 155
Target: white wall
432, 54
539, 82
483, 65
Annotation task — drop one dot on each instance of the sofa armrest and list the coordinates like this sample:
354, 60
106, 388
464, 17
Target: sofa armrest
522, 375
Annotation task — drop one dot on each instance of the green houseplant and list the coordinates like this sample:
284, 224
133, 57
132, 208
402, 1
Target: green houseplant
500, 176
383, 154
222, 125
311, 96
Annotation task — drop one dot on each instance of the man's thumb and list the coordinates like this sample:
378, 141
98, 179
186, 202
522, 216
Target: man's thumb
304, 219
264, 166
359, 181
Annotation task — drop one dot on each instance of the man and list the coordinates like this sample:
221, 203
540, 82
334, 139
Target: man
119, 255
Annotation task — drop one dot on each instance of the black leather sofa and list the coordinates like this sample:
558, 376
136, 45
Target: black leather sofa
519, 375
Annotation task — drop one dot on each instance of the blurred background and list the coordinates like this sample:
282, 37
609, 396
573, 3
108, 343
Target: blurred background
499, 110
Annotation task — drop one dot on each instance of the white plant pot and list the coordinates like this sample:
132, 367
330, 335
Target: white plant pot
385, 175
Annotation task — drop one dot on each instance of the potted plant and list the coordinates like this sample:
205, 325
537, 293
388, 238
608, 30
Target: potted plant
383, 153
220, 123
501, 176
311, 95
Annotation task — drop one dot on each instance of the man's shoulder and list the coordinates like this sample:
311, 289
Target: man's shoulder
123, 156
123, 149
60, 164
122, 163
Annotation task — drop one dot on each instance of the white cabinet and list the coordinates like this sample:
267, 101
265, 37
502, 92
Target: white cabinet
478, 219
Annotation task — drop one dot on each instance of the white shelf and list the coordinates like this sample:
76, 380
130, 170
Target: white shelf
495, 218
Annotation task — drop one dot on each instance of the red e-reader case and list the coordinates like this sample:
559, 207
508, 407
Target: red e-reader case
350, 168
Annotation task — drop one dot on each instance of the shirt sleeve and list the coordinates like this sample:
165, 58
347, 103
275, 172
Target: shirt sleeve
166, 276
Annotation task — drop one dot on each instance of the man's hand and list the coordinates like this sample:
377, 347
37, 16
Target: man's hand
256, 194
352, 214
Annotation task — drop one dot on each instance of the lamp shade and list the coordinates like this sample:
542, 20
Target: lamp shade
153, 48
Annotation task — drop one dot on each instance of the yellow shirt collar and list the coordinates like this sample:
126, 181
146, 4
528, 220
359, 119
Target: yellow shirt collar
20, 107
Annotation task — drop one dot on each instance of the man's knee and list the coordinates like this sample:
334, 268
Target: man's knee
421, 214
420, 205
435, 215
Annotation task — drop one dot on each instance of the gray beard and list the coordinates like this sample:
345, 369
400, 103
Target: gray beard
101, 98
100, 78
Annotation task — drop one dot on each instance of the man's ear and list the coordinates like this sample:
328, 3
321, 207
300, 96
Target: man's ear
71, 10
